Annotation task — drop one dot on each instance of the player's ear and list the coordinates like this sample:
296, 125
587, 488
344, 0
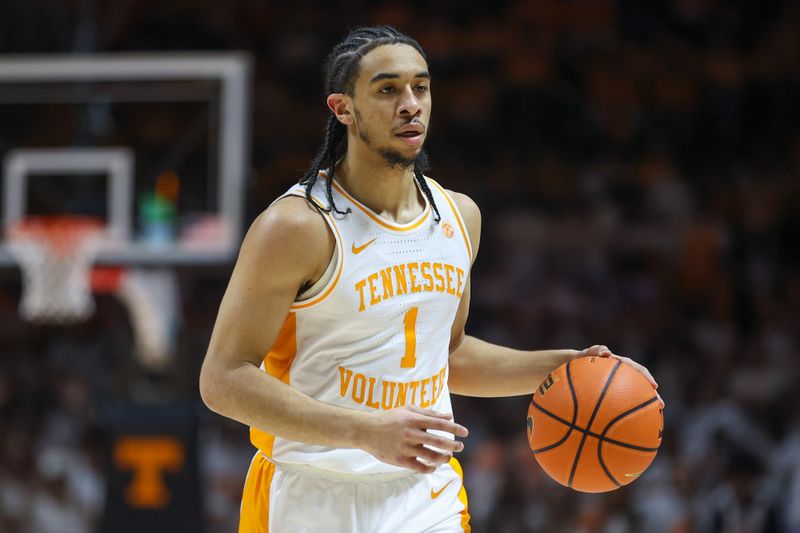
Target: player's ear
339, 104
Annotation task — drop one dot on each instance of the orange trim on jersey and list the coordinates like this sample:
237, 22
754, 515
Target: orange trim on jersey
277, 364
462, 495
340, 245
367, 211
457, 214
254, 512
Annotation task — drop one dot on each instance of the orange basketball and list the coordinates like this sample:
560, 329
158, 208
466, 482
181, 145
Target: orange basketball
595, 424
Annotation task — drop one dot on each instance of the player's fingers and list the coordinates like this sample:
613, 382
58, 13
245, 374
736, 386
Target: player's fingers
413, 464
641, 368
647, 374
430, 412
432, 456
443, 425
424, 468
599, 350
661, 400
441, 443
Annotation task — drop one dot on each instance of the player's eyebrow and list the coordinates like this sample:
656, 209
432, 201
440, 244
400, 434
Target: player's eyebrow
391, 75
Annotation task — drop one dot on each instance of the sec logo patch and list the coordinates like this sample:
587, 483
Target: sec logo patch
448, 230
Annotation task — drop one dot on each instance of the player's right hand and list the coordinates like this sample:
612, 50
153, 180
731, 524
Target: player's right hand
400, 437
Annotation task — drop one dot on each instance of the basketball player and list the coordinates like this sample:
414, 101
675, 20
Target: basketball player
356, 286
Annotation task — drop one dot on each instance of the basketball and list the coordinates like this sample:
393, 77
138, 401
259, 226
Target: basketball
595, 424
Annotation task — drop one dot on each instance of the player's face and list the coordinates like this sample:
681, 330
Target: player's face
392, 102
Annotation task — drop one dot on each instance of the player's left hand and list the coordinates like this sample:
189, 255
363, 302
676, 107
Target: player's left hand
598, 350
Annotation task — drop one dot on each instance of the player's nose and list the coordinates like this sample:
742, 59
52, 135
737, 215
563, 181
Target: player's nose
408, 104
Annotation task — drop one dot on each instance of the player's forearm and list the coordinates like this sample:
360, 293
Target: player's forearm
247, 394
479, 368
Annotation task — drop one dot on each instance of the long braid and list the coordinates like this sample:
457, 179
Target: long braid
338, 135
427, 191
326, 158
341, 68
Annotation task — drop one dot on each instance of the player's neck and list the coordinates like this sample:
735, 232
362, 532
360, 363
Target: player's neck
388, 191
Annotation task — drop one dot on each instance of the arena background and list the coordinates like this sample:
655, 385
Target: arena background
637, 168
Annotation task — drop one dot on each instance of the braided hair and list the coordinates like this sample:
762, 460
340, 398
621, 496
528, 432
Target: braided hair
341, 68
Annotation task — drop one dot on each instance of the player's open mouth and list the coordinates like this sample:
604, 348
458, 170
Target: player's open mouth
411, 135
412, 139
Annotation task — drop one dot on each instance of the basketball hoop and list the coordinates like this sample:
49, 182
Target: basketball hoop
55, 254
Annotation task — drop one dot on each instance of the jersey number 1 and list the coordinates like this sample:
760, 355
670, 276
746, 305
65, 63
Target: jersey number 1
409, 360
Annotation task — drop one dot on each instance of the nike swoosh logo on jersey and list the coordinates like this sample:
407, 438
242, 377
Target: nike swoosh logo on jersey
435, 494
358, 249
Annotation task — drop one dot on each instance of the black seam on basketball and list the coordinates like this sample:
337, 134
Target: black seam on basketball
622, 444
554, 416
570, 425
602, 438
603, 463
619, 417
626, 413
575, 427
555, 444
591, 420
574, 396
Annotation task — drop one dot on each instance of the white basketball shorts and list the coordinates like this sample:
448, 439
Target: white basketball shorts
280, 500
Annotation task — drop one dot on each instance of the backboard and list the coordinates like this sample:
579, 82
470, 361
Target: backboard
154, 144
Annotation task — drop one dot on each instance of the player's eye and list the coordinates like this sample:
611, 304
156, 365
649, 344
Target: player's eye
387, 90
422, 88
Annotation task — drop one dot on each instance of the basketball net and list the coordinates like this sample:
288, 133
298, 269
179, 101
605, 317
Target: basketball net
55, 254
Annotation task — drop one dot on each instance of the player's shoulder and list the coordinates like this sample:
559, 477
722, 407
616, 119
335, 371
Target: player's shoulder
462, 201
292, 227
466, 205
468, 208
291, 213
471, 214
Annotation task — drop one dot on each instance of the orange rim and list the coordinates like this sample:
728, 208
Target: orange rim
60, 232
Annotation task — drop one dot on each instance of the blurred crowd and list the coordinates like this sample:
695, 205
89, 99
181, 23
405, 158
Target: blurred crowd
637, 169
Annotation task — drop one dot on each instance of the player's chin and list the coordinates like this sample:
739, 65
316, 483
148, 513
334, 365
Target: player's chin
397, 155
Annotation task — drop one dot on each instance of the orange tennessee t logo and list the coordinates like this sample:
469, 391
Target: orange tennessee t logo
435, 494
358, 249
149, 458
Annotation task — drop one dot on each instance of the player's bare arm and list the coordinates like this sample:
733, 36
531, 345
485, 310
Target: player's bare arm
479, 368
288, 248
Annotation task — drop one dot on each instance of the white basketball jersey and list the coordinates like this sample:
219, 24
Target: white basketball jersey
377, 335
